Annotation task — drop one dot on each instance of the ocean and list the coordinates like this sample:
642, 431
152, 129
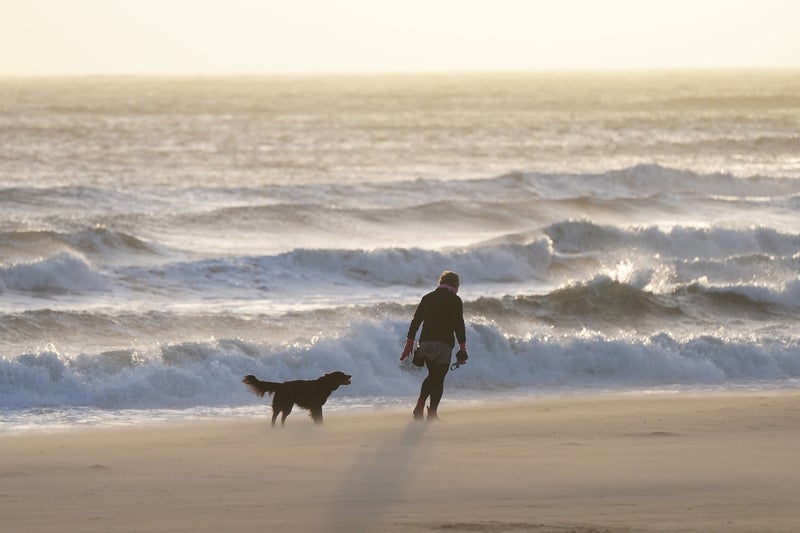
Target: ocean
619, 232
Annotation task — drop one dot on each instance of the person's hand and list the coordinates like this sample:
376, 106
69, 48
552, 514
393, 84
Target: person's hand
461, 357
408, 349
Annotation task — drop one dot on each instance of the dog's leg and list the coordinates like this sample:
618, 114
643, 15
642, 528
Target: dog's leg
286, 410
275, 414
316, 414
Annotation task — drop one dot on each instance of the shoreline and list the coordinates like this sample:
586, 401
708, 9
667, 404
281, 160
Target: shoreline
260, 408
620, 462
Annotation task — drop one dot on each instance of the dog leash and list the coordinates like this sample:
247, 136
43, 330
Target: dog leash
460, 360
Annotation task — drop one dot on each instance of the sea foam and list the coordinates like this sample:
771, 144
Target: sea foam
195, 374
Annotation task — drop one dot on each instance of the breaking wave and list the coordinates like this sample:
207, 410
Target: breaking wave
190, 374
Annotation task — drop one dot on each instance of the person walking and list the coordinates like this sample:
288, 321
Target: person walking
441, 314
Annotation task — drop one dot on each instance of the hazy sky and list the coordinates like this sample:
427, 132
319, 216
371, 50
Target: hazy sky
43, 37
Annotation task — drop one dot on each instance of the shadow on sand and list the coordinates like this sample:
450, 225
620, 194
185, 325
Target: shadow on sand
378, 479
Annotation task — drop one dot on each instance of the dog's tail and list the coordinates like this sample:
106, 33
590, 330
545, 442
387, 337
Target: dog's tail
259, 387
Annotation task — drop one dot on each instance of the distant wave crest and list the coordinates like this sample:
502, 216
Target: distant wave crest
60, 273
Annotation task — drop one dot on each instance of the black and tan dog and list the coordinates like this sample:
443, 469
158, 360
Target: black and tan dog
308, 394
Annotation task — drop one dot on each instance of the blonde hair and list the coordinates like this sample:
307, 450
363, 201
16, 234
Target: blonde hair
449, 277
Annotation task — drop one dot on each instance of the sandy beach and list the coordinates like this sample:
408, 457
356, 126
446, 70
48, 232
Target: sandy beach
661, 462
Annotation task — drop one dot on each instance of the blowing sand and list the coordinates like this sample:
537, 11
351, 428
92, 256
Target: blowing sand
710, 462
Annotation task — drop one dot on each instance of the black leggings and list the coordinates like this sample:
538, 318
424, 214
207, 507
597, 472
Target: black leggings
433, 385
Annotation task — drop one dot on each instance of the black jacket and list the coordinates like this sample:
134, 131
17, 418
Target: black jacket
441, 314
